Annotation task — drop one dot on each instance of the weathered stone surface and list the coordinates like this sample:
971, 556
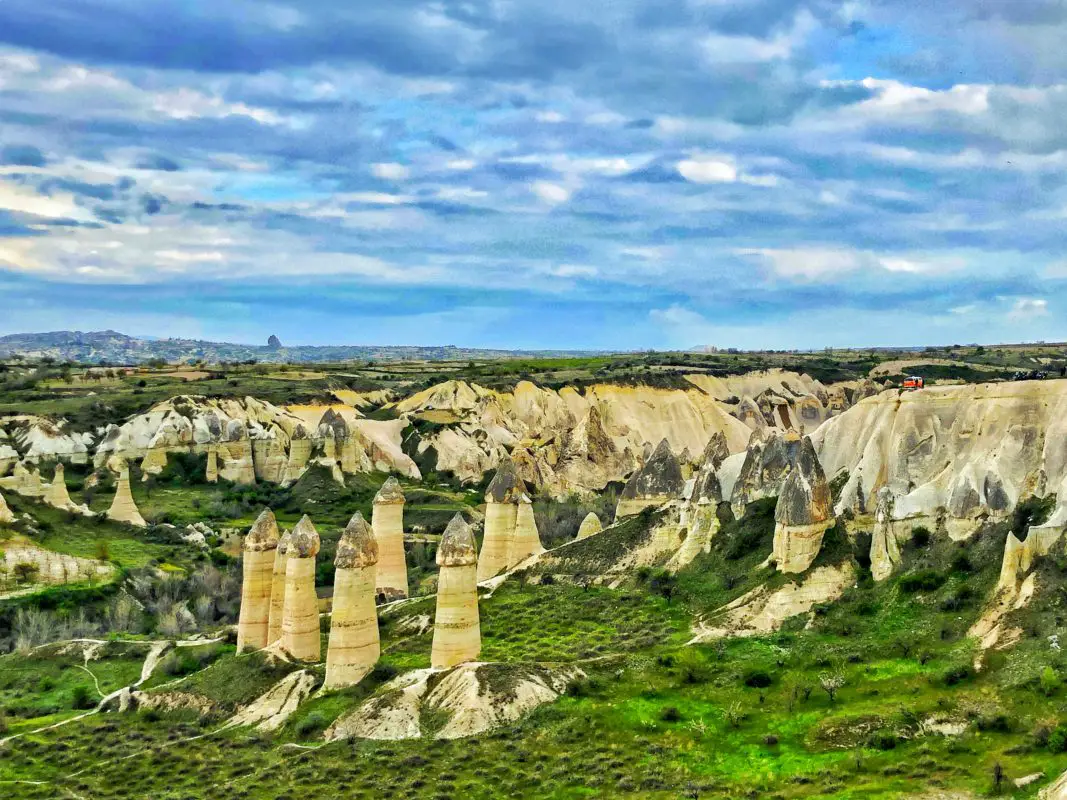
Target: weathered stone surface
803, 512
387, 520
501, 516
525, 542
257, 584
52, 567
123, 508
658, 481
300, 615
277, 590
590, 526
23, 480
6, 516
354, 646
768, 461
457, 630
211, 473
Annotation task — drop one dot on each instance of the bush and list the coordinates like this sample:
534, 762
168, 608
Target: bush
81, 698
957, 674
693, 667
758, 679
925, 580
883, 740
311, 724
920, 537
1057, 740
670, 714
1049, 682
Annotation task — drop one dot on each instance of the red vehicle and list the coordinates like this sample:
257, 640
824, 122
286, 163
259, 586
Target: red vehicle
914, 382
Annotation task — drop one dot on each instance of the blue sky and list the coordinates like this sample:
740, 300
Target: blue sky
611, 174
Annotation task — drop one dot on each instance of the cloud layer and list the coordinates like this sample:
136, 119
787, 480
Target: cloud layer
610, 174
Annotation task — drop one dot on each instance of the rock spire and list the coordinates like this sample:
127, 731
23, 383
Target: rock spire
256, 587
590, 526
354, 644
803, 512
123, 508
501, 516
277, 589
387, 521
300, 613
457, 633
658, 481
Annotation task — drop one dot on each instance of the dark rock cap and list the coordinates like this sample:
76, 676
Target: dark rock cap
264, 533
506, 486
357, 547
457, 547
805, 497
715, 451
390, 493
304, 540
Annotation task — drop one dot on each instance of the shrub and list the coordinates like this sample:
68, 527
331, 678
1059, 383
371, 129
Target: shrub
81, 698
1049, 682
920, 537
883, 740
957, 674
670, 714
1057, 740
758, 679
311, 724
693, 667
925, 580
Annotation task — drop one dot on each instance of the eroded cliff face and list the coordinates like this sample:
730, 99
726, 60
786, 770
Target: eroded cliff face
565, 441
966, 453
249, 439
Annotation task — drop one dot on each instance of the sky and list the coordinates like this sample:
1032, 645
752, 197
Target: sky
603, 174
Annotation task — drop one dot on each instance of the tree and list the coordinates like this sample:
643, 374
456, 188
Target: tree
998, 776
831, 683
26, 572
665, 584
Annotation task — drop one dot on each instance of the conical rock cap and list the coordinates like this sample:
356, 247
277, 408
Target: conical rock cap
304, 539
264, 532
357, 547
390, 493
506, 486
457, 547
590, 525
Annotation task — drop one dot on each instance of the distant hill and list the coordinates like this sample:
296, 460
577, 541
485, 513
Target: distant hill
95, 347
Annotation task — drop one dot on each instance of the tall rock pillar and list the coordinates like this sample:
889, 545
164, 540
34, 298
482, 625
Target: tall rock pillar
354, 645
123, 509
277, 589
501, 512
803, 513
57, 494
457, 635
525, 542
259, 547
300, 613
387, 521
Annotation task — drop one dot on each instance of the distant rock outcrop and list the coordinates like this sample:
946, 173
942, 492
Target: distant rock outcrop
803, 512
658, 481
274, 343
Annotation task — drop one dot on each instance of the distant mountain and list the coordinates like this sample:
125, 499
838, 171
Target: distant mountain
95, 347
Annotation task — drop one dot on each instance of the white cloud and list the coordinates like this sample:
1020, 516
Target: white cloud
820, 263
551, 117
14, 197
461, 164
551, 193
706, 169
1028, 308
573, 271
719, 48
390, 171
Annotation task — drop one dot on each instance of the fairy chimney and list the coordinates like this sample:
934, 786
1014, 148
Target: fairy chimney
277, 589
501, 512
525, 541
457, 633
123, 509
354, 645
57, 494
387, 522
590, 525
803, 513
259, 547
300, 612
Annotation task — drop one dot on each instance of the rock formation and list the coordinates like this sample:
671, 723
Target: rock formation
501, 513
658, 481
211, 473
354, 645
23, 480
52, 567
966, 452
457, 633
256, 587
768, 460
57, 494
387, 520
803, 512
123, 509
277, 589
590, 526
300, 614
525, 541
6, 517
